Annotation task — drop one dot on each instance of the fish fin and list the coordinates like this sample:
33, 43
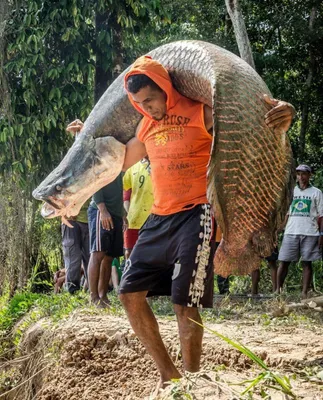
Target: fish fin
229, 261
66, 222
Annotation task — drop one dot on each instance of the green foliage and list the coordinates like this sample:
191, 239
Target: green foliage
19, 305
26, 308
270, 378
59, 57
51, 62
281, 42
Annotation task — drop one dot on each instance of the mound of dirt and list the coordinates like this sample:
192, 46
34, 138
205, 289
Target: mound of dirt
98, 357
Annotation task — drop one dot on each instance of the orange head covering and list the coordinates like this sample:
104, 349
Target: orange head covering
145, 65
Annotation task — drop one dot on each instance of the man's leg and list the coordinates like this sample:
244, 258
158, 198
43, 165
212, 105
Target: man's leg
255, 279
72, 256
127, 253
94, 274
307, 277
145, 326
273, 270
223, 284
281, 275
115, 278
85, 250
104, 279
190, 335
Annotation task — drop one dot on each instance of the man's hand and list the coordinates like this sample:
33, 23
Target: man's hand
106, 220
321, 242
125, 223
75, 127
281, 115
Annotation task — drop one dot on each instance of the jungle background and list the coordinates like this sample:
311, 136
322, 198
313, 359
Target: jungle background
57, 57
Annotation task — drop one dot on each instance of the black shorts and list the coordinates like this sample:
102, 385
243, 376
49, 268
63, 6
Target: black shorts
110, 242
174, 257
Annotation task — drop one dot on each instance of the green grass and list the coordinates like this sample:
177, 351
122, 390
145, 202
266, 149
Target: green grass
268, 377
26, 308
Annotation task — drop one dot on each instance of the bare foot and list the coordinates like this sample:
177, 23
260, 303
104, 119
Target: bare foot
104, 303
161, 385
95, 301
304, 295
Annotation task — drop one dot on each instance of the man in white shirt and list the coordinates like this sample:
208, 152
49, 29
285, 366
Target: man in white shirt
304, 230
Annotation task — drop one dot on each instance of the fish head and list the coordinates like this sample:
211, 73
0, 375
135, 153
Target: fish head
90, 164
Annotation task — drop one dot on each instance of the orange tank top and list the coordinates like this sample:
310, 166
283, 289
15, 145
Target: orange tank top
179, 148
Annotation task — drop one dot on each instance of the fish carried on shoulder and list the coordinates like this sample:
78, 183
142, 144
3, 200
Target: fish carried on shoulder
249, 173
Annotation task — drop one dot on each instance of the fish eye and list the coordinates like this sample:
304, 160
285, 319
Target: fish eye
58, 188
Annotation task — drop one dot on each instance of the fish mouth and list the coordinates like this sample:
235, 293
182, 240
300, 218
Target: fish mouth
48, 211
52, 211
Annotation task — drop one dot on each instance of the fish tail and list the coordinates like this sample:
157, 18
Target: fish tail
229, 261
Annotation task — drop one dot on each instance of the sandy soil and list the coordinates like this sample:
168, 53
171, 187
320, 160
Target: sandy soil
98, 357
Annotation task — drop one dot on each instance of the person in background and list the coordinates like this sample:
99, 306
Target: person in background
303, 235
106, 237
138, 200
105, 216
75, 241
255, 275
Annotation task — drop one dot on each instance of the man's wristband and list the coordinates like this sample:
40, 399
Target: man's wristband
321, 233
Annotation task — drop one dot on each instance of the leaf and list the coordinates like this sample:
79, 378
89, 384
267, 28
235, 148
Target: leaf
20, 130
28, 163
69, 67
52, 94
66, 36
4, 134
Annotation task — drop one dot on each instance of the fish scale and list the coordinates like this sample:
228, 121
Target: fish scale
249, 174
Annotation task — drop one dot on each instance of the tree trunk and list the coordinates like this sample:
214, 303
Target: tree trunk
240, 31
307, 92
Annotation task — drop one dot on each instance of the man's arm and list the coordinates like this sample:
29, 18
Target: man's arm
321, 232
105, 216
280, 116
135, 151
319, 206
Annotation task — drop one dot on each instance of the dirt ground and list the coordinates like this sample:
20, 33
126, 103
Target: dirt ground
98, 357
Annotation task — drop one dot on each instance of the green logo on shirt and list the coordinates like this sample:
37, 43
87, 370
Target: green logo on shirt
301, 207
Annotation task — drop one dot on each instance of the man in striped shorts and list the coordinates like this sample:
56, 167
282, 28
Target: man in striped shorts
105, 216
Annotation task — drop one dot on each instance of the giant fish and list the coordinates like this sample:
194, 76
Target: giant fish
249, 173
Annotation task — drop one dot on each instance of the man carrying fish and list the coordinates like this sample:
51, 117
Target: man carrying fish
174, 252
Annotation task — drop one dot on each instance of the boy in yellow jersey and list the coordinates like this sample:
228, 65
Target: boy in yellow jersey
137, 178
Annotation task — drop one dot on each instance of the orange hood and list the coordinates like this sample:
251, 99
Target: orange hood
154, 70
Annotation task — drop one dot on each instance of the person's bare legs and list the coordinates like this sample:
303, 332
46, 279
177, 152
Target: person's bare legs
127, 253
307, 277
114, 280
273, 270
94, 275
281, 275
190, 335
255, 279
145, 326
104, 279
